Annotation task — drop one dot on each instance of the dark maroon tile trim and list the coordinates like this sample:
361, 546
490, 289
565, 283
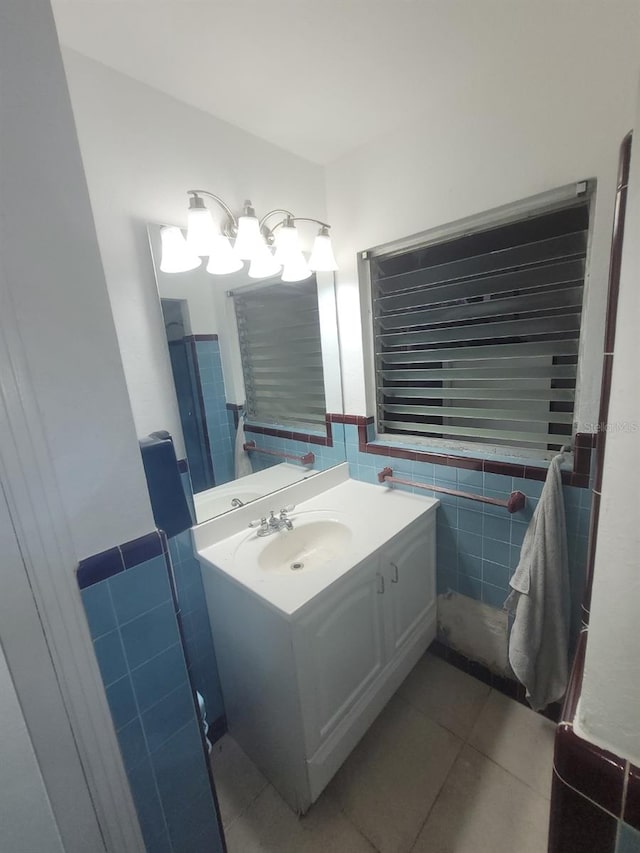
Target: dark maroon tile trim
574, 687
108, 563
356, 420
193, 338
577, 825
140, 550
579, 478
595, 773
624, 161
309, 438
632, 804
236, 408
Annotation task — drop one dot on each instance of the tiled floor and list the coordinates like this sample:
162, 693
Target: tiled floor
450, 766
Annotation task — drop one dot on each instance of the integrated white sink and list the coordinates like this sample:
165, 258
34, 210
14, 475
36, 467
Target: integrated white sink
312, 543
334, 529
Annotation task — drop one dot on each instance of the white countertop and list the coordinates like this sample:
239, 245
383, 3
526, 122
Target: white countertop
374, 515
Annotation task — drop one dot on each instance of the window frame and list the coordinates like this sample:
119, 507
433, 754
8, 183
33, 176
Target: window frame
533, 206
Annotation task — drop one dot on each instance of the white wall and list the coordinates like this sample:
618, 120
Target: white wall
142, 150
27, 824
533, 96
608, 710
51, 274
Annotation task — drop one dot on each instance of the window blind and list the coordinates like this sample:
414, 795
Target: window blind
280, 347
476, 338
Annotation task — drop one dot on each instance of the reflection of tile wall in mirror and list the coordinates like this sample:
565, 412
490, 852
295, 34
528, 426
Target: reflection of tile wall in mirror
208, 385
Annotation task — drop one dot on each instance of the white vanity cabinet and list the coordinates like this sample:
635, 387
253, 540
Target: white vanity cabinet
302, 687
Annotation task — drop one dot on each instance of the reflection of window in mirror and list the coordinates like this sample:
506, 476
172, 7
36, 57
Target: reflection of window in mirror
280, 348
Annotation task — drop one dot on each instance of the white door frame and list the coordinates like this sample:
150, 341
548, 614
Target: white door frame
44, 631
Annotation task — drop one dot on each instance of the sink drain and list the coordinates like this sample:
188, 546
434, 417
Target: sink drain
295, 566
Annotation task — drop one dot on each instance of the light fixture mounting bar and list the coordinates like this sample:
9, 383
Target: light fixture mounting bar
233, 222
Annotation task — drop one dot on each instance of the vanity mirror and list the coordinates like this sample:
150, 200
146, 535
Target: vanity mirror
256, 369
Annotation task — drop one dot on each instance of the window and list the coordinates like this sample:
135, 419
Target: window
476, 336
279, 333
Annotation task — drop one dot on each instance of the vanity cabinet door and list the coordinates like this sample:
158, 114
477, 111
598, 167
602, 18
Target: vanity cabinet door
409, 564
340, 650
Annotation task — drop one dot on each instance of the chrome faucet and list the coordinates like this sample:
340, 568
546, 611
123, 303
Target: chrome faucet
236, 502
273, 524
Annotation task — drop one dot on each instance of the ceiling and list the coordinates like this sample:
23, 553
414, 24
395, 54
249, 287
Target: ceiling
322, 77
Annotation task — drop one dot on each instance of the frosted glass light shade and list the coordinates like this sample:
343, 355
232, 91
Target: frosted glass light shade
201, 231
297, 269
248, 238
322, 258
263, 264
287, 245
176, 255
223, 258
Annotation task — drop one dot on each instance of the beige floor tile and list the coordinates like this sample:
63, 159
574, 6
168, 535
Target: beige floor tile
518, 739
269, 826
445, 694
238, 781
483, 809
389, 782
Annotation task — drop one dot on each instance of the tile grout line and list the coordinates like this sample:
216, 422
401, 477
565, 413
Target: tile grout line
464, 742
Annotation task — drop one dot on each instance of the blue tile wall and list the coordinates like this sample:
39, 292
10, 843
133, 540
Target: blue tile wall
198, 641
221, 438
185, 479
628, 840
478, 545
131, 612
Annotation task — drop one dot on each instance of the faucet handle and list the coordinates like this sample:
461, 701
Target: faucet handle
258, 522
287, 509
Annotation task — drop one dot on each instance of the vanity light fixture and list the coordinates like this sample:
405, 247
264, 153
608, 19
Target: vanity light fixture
253, 240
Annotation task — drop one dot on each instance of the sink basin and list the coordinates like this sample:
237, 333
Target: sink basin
309, 545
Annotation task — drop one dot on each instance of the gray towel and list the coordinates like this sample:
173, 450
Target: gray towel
538, 645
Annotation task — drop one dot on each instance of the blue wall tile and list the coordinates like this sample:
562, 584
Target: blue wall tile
168, 716
497, 552
493, 596
628, 839
150, 634
180, 770
497, 527
469, 543
99, 609
140, 589
137, 642
470, 520
122, 702
150, 812
470, 565
470, 586
156, 677
495, 574
110, 656
133, 745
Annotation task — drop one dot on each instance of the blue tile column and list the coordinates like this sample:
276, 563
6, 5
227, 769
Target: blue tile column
215, 406
131, 612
